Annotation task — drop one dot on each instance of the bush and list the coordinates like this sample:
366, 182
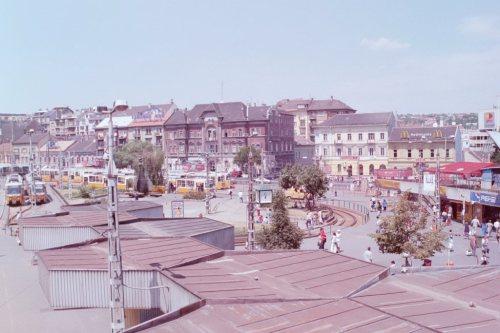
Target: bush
84, 192
194, 195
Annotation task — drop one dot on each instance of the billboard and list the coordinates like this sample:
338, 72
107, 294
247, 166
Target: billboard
429, 182
489, 119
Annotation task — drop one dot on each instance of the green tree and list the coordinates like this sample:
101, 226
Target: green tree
310, 179
407, 231
282, 234
241, 157
152, 159
495, 156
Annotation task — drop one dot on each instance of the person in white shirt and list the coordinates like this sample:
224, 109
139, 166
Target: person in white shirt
367, 255
240, 195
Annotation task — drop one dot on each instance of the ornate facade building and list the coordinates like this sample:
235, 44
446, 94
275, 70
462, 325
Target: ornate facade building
221, 130
353, 144
311, 112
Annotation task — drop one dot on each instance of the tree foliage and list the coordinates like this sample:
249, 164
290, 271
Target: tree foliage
309, 178
241, 157
282, 234
495, 156
152, 159
407, 231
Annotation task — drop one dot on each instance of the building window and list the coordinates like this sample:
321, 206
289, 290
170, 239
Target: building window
148, 130
371, 150
240, 132
325, 151
339, 168
360, 151
382, 151
338, 136
325, 137
409, 153
339, 152
349, 137
421, 153
395, 153
432, 152
447, 153
302, 122
371, 136
382, 136
360, 136
349, 152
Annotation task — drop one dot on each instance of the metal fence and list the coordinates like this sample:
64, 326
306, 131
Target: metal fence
354, 206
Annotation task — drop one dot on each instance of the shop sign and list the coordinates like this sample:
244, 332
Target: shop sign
485, 198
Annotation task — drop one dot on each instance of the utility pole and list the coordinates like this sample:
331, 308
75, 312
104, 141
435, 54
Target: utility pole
250, 207
114, 249
32, 185
436, 190
207, 192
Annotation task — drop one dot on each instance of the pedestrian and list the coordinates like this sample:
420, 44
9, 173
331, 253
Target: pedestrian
379, 207
484, 230
473, 244
230, 192
466, 229
321, 238
335, 247
367, 255
497, 225
450, 242
392, 267
489, 228
475, 224
240, 195
384, 204
498, 236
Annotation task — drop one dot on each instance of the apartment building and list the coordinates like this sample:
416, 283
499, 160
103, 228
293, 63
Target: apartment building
418, 147
222, 129
62, 122
353, 144
21, 147
311, 112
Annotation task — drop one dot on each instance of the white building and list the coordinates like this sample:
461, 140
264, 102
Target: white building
354, 144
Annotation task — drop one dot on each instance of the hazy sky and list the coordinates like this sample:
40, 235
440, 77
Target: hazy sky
404, 56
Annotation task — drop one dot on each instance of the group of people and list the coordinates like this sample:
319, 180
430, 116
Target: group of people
335, 244
378, 206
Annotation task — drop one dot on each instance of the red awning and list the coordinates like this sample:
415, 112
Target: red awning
464, 169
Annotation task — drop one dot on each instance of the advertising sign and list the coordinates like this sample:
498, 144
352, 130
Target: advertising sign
177, 207
429, 182
488, 199
489, 120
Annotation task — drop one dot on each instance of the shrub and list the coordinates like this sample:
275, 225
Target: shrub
84, 192
194, 195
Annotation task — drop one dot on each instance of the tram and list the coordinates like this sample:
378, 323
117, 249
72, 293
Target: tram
14, 193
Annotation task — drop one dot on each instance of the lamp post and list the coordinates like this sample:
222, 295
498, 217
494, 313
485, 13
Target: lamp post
207, 187
32, 185
251, 234
114, 248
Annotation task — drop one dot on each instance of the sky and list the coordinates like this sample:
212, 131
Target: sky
402, 56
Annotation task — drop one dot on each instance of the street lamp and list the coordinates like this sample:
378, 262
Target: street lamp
32, 185
114, 248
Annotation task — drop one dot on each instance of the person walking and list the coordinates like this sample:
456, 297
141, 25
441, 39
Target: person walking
475, 224
367, 255
335, 246
497, 225
473, 244
484, 230
466, 229
230, 192
321, 238
489, 228
240, 195
384, 204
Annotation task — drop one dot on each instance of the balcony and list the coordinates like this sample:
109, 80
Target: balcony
371, 141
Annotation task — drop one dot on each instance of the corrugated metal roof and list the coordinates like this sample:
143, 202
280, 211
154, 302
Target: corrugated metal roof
441, 299
180, 227
144, 253
298, 316
127, 206
76, 218
278, 274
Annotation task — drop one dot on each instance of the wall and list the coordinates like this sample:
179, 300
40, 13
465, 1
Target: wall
41, 238
223, 239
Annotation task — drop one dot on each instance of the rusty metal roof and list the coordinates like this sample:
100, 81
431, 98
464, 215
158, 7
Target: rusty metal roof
144, 253
441, 300
277, 274
125, 205
319, 316
74, 219
179, 227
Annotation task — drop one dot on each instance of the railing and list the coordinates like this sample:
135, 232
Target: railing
354, 206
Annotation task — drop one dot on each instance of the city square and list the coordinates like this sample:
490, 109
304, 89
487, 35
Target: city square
213, 167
